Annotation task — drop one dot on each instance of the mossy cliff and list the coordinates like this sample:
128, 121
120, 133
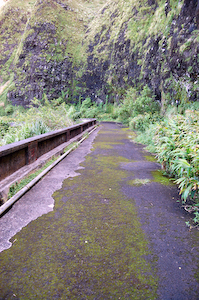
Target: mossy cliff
99, 49
41, 45
146, 42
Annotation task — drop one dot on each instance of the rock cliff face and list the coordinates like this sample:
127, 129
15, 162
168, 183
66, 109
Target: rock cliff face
44, 48
100, 49
157, 45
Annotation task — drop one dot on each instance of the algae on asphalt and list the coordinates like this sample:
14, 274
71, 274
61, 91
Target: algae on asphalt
105, 238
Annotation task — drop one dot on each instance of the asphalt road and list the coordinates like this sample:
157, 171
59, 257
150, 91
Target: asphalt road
103, 224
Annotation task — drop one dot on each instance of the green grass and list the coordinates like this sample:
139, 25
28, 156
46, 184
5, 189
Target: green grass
74, 144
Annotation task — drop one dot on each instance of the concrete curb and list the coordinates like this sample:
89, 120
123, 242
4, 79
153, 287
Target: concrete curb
19, 194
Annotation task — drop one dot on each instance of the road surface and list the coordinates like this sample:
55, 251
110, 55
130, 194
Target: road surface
103, 224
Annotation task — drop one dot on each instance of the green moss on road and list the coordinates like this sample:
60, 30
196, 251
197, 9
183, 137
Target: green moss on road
159, 177
90, 247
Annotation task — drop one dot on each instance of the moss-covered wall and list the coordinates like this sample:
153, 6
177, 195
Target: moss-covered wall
146, 42
100, 49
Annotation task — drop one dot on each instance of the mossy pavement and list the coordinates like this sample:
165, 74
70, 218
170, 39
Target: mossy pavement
116, 230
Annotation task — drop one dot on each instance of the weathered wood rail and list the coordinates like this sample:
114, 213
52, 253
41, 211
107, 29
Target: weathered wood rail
16, 155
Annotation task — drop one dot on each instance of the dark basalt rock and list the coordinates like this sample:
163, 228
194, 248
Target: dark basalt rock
162, 62
162, 65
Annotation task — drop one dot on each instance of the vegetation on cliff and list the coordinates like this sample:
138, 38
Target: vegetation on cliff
99, 49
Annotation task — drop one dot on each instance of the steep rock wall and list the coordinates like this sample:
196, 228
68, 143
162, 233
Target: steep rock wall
47, 52
124, 44
157, 45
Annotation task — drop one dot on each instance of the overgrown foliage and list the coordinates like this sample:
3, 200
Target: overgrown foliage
175, 140
135, 105
43, 116
174, 137
177, 147
38, 119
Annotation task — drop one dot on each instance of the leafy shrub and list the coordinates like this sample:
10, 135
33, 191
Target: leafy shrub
147, 137
114, 112
86, 109
177, 146
135, 104
89, 109
145, 103
142, 122
176, 142
71, 111
126, 108
86, 104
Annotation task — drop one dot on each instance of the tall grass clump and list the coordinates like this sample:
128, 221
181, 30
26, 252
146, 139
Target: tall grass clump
177, 147
43, 116
147, 137
35, 120
24, 131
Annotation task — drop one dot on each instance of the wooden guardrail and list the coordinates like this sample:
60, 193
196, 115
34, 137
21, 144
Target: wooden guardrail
16, 155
